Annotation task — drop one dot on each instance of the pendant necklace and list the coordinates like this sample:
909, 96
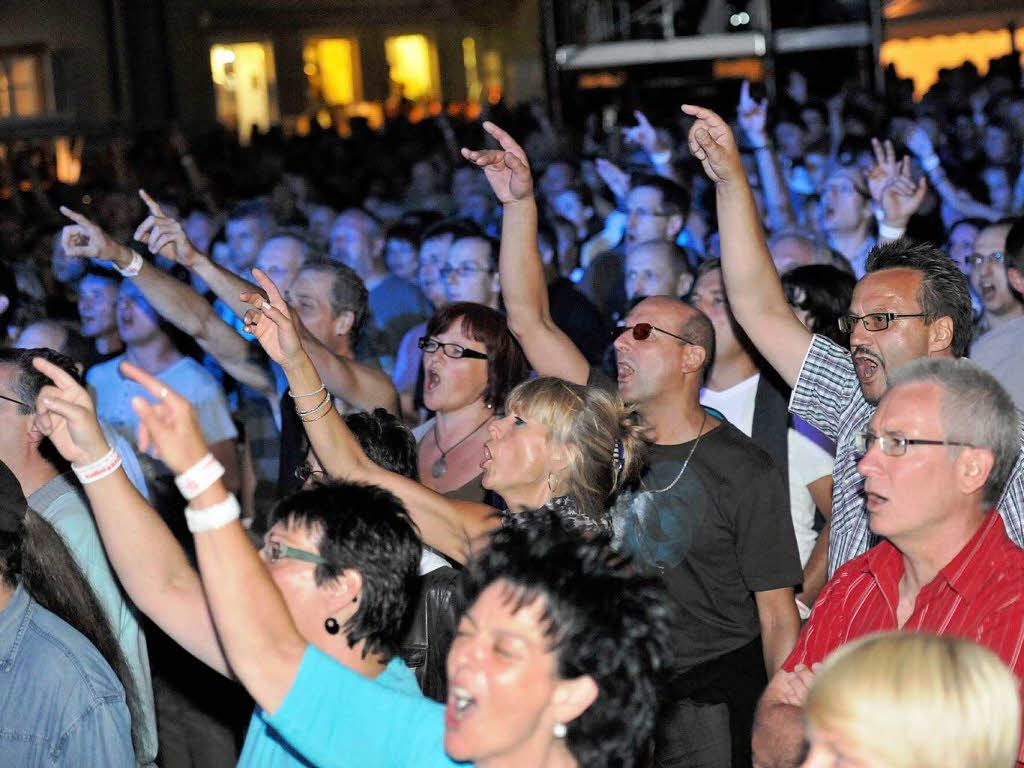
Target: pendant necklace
440, 466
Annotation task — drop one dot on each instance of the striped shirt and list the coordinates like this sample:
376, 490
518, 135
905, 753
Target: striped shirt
828, 395
978, 595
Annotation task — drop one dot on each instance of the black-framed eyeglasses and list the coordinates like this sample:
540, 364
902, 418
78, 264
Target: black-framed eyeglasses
461, 271
976, 260
277, 551
456, 351
305, 472
895, 446
19, 402
642, 332
875, 321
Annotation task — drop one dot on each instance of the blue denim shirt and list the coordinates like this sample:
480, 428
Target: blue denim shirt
60, 702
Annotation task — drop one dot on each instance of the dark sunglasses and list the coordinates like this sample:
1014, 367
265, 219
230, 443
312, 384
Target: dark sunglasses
642, 332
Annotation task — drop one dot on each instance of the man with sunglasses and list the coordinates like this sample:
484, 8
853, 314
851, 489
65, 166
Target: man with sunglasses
912, 303
709, 515
935, 456
998, 351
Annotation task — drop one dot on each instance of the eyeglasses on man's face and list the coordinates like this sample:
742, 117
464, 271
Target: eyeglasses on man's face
895, 446
276, 551
875, 321
978, 260
19, 402
456, 351
642, 332
461, 271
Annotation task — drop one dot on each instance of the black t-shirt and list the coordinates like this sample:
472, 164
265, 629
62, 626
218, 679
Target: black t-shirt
721, 533
574, 314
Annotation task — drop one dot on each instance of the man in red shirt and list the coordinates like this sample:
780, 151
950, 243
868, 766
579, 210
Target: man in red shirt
935, 458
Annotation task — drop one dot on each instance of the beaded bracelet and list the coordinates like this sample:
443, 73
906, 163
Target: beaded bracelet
315, 418
97, 470
307, 394
214, 516
199, 477
134, 266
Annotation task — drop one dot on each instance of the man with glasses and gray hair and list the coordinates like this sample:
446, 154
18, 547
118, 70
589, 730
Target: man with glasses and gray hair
913, 302
935, 457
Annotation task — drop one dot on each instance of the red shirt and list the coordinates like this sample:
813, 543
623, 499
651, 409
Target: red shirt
978, 595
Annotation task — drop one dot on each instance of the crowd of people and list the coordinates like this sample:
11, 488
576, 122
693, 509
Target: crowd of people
692, 443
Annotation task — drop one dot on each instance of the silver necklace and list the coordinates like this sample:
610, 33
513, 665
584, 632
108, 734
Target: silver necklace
700, 433
440, 466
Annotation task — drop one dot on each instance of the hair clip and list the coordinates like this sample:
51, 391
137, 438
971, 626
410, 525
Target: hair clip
618, 457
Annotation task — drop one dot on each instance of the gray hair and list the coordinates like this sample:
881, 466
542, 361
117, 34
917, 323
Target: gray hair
821, 253
975, 409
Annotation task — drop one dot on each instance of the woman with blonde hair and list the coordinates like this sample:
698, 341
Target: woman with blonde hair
909, 700
559, 447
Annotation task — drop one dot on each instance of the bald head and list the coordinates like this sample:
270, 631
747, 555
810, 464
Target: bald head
44, 334
656, 268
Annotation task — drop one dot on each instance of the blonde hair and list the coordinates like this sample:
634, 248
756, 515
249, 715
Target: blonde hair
606, 448
920, 701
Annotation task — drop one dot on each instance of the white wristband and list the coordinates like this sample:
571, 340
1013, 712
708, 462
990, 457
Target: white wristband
134, 266
90, 473
886, 232
199, 476
661, 158
930, 163
803, 610
214, 516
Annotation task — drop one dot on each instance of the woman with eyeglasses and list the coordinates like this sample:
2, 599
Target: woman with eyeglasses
470, 362
561, 446
344, 557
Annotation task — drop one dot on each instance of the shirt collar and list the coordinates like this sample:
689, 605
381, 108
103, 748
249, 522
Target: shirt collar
14, 621
885, 562
52, 490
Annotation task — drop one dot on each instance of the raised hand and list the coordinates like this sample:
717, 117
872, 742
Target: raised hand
644, 134
271, 322
917, 141
711, 141
85, 239
507, 170
884, 171
902, 197
168, 428
65, 413
752, 116
164, 235
616, 179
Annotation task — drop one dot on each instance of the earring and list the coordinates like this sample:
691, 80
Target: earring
331, 625
559, 730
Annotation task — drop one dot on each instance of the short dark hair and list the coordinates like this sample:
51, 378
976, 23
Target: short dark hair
457, 228
28, 383
674, 198
405, 231
493, 247
365, 528
348, 291
101, 273
386, 440
506, 363
298, 235
1015, 245
944, 290
824, 292
603, 620
250, 209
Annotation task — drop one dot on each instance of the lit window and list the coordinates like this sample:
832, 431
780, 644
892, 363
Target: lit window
246, 86
22, 88
412, 62
332, 68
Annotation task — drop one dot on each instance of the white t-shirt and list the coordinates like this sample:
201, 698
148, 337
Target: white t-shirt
808, 461
188, 378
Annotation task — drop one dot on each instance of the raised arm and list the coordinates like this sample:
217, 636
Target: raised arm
172, 299
523, 287
150, 564
751, 281
645, 135
455, 528
359, 384
753, 116
893, 190
253, 622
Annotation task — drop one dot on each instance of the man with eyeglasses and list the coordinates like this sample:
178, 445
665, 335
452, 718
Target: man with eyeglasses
912, 303
935, 456
709, 516
470, 271
999, 350
990, 279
